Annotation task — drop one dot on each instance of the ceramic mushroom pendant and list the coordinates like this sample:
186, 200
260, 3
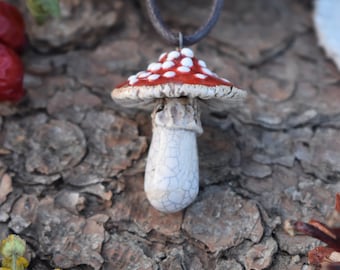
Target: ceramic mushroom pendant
174, 85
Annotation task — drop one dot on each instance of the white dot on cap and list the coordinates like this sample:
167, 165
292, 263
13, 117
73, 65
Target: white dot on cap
143, 74
202, 63
168, 64
187, 62
169, 74
207, 71
183, 69
200, 76
132, 80
173, 55
132, 77
153, 77
154, 66
187, 52
162, 56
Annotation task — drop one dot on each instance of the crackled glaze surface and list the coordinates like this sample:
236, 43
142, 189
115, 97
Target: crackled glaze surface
171, 175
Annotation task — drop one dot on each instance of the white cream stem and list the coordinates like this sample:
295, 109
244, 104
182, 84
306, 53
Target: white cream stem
171, 175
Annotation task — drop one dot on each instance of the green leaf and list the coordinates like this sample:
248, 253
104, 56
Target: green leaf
12, 245
42, 9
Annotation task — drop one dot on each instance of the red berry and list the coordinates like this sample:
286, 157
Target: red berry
11, 75
12, 27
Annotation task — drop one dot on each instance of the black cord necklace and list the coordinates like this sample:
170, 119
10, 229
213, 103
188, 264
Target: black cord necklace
179, 39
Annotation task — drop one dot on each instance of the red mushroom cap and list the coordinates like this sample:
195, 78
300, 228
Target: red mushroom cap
176, 74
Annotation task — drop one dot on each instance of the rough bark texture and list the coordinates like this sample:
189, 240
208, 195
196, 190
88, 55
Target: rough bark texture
72, 161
